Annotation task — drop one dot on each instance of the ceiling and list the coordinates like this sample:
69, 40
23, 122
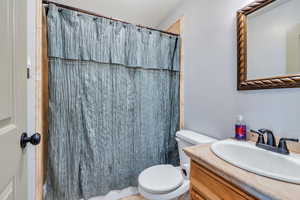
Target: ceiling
145, 12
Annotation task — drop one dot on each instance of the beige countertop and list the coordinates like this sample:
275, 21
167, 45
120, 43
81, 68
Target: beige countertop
261, 187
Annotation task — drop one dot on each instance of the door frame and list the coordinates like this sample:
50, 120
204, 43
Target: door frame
40, 96
31, 92
177, 28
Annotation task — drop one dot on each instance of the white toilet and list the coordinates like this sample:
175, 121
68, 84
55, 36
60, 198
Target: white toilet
166, 182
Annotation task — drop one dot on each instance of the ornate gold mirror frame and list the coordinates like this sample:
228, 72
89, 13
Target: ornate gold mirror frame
288, 81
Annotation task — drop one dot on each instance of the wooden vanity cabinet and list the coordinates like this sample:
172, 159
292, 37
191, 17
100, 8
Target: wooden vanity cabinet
205, 185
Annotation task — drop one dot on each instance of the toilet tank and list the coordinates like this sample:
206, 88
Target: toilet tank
186, 138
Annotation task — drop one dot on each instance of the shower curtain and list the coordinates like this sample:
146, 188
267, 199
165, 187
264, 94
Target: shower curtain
113, 103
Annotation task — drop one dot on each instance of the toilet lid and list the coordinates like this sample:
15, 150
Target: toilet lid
160, 179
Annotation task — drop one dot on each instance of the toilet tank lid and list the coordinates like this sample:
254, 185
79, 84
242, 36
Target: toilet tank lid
193, 137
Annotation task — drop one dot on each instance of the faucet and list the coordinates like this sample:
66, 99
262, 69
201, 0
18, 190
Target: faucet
270, 136
271, 142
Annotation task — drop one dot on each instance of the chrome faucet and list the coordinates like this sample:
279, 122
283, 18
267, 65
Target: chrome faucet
271, 142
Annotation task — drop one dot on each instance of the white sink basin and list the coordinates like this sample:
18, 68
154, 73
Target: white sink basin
259, 161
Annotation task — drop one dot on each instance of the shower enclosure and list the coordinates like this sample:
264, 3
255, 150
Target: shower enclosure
113, 102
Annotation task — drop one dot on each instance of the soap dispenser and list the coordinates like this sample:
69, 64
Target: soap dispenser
240, 129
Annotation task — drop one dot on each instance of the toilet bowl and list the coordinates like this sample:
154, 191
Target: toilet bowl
166, 182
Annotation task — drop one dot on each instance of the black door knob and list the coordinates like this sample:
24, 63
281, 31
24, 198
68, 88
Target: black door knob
34, 139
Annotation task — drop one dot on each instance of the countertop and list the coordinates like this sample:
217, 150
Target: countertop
261, 187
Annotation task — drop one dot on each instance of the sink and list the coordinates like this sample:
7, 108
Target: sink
247, 156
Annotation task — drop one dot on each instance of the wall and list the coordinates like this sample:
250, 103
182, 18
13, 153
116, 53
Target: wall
134, 11
211, 99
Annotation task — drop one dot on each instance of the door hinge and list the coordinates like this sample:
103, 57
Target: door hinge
28, 73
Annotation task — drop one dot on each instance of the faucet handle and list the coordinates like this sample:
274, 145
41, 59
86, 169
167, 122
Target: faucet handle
260, 139
282, 146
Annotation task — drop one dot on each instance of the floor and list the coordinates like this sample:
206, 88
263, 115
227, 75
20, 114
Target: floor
138, 197
135, 197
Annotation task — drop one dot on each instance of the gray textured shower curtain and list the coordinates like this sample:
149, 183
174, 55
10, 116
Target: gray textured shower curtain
113, 103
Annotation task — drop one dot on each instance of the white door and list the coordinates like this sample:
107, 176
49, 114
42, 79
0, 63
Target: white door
13, 172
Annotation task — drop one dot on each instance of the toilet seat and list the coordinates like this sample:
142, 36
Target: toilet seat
161, 186
160, 179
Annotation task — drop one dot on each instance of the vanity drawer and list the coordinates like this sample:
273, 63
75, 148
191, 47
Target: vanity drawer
205, 185
195, 195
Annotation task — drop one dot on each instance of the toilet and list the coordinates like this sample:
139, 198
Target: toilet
166, 182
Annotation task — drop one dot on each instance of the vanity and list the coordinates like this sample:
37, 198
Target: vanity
212, 178
205, 184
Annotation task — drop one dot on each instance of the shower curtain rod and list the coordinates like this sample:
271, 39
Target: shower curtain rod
98, 15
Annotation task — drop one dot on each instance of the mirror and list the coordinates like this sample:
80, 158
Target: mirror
269, 45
